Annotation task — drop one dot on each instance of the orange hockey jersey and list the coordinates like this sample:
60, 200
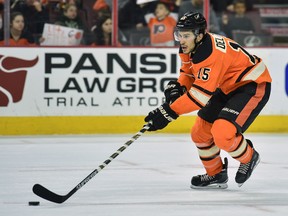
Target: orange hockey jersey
26, 39
161, 31
218, 62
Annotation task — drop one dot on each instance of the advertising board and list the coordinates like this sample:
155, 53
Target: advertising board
41, 89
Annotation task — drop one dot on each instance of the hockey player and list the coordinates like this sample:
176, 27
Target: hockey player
229, 87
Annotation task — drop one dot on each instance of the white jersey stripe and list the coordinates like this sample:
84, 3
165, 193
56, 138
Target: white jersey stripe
202, 98
256, 72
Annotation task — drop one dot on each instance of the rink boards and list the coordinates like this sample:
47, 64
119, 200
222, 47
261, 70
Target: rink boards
97, 90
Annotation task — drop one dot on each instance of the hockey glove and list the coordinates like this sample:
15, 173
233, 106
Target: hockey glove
160, 117
173, 91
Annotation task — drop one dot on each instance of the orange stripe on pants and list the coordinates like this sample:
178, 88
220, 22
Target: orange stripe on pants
251, 105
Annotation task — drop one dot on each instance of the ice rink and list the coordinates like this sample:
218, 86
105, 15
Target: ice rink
150, 178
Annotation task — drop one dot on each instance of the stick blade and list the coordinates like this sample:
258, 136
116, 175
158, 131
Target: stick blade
44, 193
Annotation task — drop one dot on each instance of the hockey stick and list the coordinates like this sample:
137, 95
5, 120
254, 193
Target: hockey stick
43, 192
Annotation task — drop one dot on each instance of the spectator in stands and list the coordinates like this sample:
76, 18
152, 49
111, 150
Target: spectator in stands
173, 4
222, 6
224, 25
161, 25
102, 31
131, 17
197, 5
70, 19
18, 35
101, 8
228, 6
35, 12
238, 21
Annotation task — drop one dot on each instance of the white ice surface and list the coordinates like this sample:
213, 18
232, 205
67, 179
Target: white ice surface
151, 177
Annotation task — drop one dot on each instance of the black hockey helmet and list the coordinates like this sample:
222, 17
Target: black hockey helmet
193, 21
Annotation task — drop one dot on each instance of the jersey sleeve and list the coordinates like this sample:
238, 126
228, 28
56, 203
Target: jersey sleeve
207, 76
194, 99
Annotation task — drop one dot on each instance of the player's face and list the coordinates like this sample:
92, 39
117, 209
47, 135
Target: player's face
186, 40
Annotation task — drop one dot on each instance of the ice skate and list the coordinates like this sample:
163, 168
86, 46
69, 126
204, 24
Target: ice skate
218, 181
245, 170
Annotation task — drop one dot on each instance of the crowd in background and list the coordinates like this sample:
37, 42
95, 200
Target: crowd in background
140, 22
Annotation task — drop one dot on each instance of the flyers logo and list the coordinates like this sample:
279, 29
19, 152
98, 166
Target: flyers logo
159, 29
12, 78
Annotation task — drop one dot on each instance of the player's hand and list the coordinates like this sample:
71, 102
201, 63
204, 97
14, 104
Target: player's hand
173, 91
161, 117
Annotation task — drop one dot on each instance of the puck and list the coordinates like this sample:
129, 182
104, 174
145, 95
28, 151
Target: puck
33, 203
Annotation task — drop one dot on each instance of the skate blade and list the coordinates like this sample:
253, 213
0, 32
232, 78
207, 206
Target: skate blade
212, 186
240, 184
